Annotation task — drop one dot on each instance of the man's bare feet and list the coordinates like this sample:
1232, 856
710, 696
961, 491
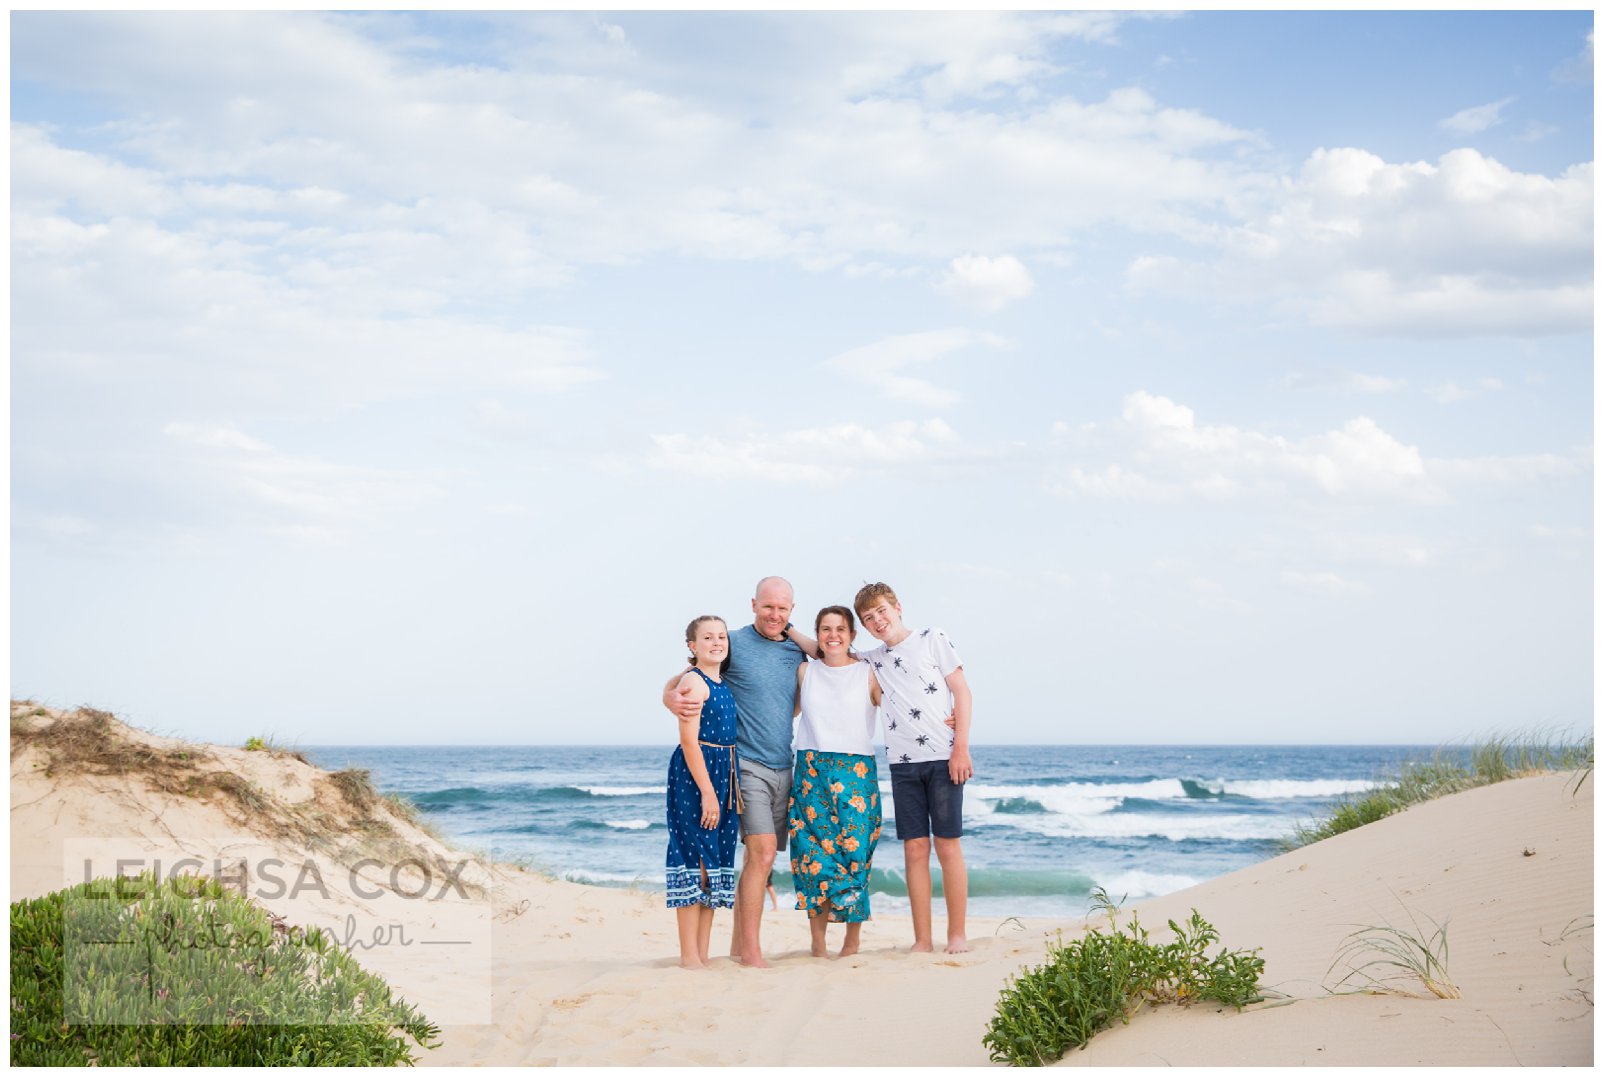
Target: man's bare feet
957, 944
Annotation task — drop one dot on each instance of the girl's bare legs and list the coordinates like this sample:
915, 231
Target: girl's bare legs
816, 925
704, 932
850, 946
692, 950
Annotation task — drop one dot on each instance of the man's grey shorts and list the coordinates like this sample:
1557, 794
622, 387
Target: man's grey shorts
765, 798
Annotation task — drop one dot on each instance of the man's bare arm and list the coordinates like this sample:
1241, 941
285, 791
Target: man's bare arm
679, 701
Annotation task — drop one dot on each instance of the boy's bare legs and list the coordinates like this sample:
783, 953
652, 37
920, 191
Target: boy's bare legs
689, 918
749, 892
817, 922
955, 885
916, 866
850, 946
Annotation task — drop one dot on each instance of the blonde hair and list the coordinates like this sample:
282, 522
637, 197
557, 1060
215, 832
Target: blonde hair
690, 638
869, 592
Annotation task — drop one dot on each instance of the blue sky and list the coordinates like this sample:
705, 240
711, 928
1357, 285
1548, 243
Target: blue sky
1214, 377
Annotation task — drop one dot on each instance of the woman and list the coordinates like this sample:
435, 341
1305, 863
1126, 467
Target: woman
835, 800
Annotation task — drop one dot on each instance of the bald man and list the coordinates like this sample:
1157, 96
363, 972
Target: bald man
764, 657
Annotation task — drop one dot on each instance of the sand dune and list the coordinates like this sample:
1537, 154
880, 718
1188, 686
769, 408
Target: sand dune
573, 975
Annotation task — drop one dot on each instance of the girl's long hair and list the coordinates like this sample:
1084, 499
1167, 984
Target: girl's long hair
690, 637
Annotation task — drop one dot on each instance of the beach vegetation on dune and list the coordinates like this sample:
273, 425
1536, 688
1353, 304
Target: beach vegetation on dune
186, 972
1104, 976
347, 819
272, 747
1444, 771
1396, 954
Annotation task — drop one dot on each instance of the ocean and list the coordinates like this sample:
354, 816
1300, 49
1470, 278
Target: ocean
1043, 825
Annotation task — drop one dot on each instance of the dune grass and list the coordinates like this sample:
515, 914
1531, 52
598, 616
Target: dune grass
1393, 954
1106, 976
137, 971
1449, 770
350, 820
272, 747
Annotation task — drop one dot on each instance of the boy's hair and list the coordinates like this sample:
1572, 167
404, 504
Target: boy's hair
869, 593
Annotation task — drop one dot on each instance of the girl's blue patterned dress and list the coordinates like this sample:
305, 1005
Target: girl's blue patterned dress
692, 847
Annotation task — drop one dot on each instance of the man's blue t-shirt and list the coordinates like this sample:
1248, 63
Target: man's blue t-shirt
762, 678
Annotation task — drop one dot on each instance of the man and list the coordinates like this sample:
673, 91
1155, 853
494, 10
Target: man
764, 657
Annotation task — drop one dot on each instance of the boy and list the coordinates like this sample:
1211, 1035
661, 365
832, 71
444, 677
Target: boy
929, 760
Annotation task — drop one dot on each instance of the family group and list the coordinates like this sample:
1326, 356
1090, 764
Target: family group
777, 732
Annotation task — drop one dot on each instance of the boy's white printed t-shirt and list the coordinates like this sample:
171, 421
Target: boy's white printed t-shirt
914, 699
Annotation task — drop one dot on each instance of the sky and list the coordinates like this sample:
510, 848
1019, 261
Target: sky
408, 378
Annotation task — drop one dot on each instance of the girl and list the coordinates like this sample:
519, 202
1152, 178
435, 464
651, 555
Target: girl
703, 798
835, 801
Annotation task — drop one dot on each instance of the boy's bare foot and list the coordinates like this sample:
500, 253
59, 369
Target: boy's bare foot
957, 944
921, 946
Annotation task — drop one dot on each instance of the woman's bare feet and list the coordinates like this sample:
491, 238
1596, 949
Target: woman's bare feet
957, 944
817, 946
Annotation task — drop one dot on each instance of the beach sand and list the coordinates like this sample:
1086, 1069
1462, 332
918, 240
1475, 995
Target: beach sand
545, 972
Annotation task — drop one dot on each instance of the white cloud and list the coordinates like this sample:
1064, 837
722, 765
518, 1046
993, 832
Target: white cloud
1345, 381
1323, 583
296, 495
1452, 392
945, 55
819, 456
880, 364
1393, 551
1509, 470
1579, 68
1474, 120
1461, 248
987, 284
232, 319
1567, 534
1163, 454
576, 161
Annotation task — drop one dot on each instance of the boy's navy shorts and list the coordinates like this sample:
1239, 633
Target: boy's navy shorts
927, 801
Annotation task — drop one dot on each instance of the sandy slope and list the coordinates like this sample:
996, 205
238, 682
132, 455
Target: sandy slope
586, 976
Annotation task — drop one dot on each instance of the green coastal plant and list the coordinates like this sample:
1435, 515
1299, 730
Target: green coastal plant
1104, 976
188, 973
1395, 954
271, 746
1446, 771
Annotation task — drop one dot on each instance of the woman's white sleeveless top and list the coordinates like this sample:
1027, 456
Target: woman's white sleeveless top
837, 714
